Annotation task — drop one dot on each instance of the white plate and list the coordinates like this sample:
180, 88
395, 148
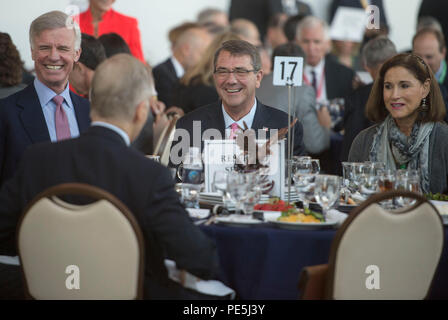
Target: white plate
238, 220
302, 225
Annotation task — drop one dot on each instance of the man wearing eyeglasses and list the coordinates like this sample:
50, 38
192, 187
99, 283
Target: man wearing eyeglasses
237, 73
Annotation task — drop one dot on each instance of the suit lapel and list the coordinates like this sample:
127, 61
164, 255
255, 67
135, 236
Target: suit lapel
259, 117
32, 116
81, 112
216, 118
330, 83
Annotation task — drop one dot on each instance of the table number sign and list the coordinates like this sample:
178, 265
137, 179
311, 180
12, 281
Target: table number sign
288, 71
220, 155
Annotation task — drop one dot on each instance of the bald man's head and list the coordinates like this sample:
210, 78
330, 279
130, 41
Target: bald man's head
247, 30
190, 46
120, 84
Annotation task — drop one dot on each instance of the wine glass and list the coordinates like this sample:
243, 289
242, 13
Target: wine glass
238, 184
219, 185
326, 191
303, 178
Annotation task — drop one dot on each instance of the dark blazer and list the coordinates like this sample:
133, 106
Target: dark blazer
22, 123
101, 158
338, 79
211, 117
355, 119
166, 80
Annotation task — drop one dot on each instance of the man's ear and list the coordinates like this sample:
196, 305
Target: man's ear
141, 112
77, 55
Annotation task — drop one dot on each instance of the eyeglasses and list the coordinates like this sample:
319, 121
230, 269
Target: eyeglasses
240, 73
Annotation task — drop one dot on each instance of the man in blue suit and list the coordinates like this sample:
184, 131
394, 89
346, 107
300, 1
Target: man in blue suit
237, 74
46, 110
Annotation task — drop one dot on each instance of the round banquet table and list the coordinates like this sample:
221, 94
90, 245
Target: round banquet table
263, 262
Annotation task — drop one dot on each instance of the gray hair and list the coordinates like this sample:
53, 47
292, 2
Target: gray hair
376, 51
119, 85
429, 22
206, 15
54, 20
240, 48
312, 22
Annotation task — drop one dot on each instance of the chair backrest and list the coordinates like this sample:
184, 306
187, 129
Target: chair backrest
380, 254
68, 251
163, 146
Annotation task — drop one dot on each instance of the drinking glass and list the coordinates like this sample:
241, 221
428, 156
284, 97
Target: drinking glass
407, 180
386, 181
251, 199
237, 188
368, 180
190, 194
303, 177
219, 185
326, 191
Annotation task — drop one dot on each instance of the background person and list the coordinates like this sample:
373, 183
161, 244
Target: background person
100, 18
11, 67
316, 123
92, 54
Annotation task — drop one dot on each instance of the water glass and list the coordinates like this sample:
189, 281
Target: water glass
326, 191
219, 185
302, 174
190, 195
407, 180
237, 187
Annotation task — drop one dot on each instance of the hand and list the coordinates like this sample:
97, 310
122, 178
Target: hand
324, 118
175, 109
157, 107
357, 82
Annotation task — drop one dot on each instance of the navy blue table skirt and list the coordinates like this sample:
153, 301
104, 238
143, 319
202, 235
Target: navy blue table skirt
265, 263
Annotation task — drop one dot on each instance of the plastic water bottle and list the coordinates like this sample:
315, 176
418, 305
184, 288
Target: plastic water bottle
192, 174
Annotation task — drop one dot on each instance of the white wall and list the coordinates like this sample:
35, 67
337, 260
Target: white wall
156, 17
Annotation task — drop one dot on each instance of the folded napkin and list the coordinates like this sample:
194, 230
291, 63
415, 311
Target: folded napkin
14, 261
336, 215
210, 287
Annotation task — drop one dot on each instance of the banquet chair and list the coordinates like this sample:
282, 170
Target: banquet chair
163, 146
380, 254
90, 251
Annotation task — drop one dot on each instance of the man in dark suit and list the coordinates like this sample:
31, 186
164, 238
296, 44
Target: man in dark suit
237, 74
45, 110
374, 54
187, 49
121, 90
329, 78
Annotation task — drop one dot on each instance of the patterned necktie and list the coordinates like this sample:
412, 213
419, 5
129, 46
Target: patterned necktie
234, 127
60, 119
313, 80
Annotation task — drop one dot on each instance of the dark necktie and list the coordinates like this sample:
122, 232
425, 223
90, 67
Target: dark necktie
313, 80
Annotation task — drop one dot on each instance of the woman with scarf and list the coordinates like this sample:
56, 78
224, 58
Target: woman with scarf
408, 108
